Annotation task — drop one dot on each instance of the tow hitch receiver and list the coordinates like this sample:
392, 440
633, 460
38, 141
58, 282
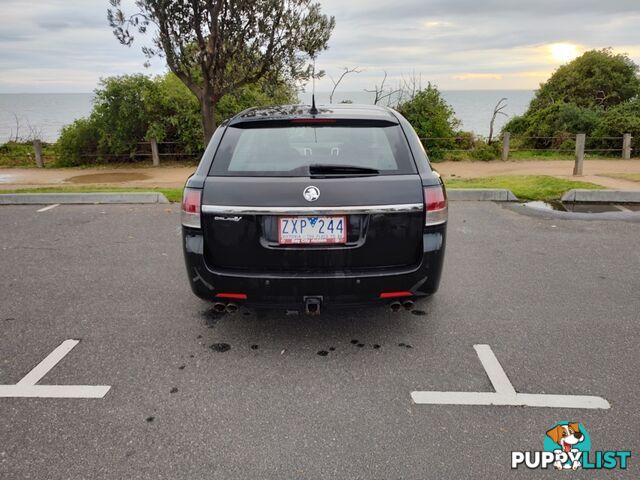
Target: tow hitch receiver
312, 305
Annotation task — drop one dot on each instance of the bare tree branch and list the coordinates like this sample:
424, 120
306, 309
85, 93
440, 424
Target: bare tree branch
380, 93
497, 110
346, 72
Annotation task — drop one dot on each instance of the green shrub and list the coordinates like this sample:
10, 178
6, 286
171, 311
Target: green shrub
595, 94
431, 116
621, 119
485, 152
21, 154
568, 145
598, 78
77, 140
130, 109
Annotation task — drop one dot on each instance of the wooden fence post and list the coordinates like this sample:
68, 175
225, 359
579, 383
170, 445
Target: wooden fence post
37, 148
626, 146
580, 141
154, 152
505, 146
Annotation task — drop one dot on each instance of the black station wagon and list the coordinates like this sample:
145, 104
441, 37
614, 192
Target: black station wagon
301, 208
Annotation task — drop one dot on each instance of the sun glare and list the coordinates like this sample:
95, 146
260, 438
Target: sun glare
563, 52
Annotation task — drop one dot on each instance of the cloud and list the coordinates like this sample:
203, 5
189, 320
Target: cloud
476, 76
67, 45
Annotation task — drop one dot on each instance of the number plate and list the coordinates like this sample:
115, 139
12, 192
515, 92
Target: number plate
311, 230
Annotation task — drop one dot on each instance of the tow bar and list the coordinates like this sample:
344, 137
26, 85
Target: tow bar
312, 305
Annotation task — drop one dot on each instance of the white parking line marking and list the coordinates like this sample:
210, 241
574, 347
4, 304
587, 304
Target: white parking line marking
499, 379
51, 360
27, 386
622, 208
505, 394
44, 209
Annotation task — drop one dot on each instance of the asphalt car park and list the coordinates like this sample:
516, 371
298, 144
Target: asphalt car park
266, 394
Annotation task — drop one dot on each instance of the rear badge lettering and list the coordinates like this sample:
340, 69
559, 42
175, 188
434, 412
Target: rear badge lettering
228, 219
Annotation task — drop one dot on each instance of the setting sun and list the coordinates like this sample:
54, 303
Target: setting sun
563, 52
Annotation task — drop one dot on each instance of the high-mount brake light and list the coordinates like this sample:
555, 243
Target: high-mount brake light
435, 205
313, 120
190, 214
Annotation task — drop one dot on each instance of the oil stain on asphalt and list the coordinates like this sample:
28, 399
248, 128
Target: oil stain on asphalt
211, 317
220, 347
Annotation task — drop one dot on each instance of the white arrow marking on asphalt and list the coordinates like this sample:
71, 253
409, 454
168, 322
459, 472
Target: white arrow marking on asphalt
505, 394
27, 386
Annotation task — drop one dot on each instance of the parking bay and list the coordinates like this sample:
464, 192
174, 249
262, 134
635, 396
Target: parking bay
555, 300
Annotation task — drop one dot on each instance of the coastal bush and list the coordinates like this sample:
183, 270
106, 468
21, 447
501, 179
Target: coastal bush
621, 119
431, 116
77, 140
598, 78
21, 154
485, 152
130, 109
596, 94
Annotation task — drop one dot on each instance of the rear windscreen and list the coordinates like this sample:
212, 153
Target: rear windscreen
289, 150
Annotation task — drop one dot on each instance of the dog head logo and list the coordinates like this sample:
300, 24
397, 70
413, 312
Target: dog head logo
568, 441
567, 436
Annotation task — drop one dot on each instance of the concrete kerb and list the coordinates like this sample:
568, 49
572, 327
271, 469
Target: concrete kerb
82, 198
601, 196
481, 195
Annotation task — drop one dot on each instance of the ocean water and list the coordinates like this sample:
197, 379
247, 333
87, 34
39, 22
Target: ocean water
44, 114
473, 107
40, 114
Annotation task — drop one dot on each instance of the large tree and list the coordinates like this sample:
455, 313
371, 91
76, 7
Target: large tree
217, 46
598, 78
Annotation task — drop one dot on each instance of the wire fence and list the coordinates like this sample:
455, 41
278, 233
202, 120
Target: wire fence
607, 146
457, 147
27, 154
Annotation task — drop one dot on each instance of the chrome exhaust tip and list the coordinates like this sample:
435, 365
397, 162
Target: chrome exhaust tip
232, 307
219, 307
408, 304
395, 306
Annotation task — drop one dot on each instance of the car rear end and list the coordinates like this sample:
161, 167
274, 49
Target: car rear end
305, 211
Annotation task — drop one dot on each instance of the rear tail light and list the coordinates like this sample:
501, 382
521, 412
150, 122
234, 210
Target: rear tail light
435, 205
191, 201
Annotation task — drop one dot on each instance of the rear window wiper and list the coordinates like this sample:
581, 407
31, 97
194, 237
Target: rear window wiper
327, 169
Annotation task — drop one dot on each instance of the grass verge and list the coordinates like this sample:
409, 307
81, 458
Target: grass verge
525, 187
172, 194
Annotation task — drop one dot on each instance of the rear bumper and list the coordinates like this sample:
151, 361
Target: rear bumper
269, 289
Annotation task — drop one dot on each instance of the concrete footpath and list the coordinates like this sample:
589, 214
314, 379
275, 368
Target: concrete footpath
596, 171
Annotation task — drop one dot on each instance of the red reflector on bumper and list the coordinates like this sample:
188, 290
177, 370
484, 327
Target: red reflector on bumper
395, 294
236, 296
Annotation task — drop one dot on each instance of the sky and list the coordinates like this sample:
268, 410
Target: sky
67, 45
